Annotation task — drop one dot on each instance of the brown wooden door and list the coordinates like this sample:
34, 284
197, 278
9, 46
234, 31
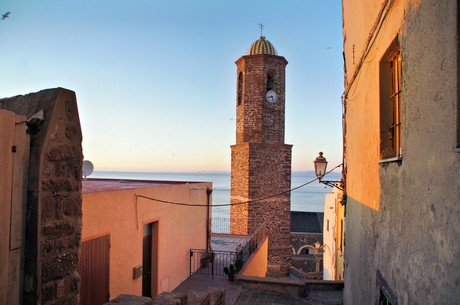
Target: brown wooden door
14, 158
94, 270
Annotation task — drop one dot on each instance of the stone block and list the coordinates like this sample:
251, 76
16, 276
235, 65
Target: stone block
48, 207
67, 286
199, 298
57, 229
58, 185
217, 296
59, 266
47, 248
71, 205
70, 299
48, 292
66, 244
61, 290
61, 153
70, 131
73, 283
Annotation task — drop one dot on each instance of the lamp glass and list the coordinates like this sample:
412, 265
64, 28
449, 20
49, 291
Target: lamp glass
320, 166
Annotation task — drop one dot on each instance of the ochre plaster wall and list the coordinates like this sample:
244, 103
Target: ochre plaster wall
402, 219
257, 264
121, 215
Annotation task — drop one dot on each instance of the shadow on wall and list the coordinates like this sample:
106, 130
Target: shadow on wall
50, 236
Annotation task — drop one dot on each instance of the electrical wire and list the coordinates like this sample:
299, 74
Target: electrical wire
236, 203
373, 34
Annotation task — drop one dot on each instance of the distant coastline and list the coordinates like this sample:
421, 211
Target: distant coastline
309, 198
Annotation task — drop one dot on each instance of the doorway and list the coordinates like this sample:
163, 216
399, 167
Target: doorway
150, 260
94, 270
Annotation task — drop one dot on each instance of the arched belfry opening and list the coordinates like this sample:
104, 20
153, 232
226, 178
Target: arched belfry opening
270, 80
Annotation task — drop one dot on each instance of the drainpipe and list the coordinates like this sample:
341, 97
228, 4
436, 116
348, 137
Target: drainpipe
208, 226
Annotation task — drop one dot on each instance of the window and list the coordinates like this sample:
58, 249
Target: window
240, 89
270, 80
390, 103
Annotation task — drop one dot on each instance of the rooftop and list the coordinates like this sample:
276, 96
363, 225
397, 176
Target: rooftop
93, 185
307, 222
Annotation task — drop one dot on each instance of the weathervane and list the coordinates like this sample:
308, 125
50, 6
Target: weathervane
261, 29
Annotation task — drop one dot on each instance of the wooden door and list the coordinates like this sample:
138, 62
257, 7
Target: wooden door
14, 160
94, 270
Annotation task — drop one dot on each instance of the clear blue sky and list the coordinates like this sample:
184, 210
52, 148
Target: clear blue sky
155, 80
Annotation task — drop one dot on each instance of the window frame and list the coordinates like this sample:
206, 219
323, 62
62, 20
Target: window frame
390, 117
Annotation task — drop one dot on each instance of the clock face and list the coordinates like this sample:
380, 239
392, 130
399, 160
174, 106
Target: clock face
271, 96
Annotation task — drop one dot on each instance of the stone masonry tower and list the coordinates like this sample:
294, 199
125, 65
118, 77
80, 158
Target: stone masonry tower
261, 162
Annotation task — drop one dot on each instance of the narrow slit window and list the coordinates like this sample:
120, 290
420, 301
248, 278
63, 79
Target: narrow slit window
240, 89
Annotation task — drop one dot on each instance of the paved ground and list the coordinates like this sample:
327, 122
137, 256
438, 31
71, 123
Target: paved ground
225, 242
238, 296
258, 297
199, 282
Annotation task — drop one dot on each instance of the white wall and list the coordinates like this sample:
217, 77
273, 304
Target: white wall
329, 238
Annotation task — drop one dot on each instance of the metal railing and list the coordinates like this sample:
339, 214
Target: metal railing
220, 225
213, 263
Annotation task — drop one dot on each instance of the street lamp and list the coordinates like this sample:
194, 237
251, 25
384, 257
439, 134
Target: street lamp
320, 170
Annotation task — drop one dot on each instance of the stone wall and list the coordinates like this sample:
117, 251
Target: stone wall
256, 120
298, 240
53, 222
308, 262
268, 170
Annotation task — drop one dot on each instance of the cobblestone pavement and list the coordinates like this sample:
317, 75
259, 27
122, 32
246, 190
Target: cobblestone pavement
316, 297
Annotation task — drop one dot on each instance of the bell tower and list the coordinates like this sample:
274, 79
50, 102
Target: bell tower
261, 161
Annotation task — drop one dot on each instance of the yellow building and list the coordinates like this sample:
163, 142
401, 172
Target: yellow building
135, 239
333, 236
402, 139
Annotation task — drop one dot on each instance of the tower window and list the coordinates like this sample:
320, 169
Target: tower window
240, 89
270, 80
390, 103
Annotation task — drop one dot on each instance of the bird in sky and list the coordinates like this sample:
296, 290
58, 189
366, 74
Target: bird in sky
6, 15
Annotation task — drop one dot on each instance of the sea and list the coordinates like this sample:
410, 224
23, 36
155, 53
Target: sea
307, 194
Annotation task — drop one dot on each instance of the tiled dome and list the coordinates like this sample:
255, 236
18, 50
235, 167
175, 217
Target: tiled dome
262, 46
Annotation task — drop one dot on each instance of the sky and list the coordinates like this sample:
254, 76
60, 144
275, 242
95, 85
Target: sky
156, 80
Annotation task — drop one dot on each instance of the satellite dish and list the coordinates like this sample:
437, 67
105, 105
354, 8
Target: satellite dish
88, 168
